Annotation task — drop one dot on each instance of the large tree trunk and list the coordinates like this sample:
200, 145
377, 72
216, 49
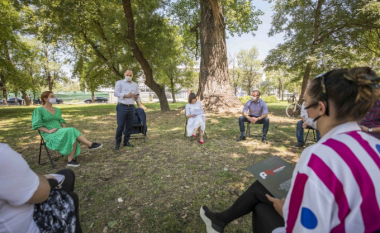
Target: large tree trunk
4, 89
214, 86
172, 89
137, 53
26, 98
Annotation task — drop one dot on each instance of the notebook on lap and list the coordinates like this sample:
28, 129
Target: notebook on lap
275, 174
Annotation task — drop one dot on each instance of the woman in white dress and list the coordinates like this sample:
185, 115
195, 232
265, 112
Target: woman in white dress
196, 119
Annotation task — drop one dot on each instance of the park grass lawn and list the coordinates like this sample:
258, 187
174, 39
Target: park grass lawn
163, 182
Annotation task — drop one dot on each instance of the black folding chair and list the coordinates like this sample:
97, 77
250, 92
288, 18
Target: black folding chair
138, 126
248, 131
307, 134
43, 143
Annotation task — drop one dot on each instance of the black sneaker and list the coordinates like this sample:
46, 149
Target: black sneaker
299, 145
95, 146
117, 147
241, 138
128, 144
264, 140
73, 163
212, 224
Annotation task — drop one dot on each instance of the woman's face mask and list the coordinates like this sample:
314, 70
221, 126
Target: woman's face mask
52, 100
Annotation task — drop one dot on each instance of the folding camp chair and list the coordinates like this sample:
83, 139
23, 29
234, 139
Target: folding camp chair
43, 143
248, 131
138, 126
307, 134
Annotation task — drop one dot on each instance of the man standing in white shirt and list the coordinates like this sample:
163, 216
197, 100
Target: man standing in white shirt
127, 92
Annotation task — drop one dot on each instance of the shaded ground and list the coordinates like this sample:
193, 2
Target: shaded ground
164, 181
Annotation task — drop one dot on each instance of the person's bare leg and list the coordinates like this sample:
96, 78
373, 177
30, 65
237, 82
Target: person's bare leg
195, 131
71, 155
84, 141
200, 134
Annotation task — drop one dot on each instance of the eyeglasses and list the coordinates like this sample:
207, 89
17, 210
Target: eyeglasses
323, 86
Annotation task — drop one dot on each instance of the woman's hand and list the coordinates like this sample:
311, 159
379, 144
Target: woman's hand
364, 129
53, 130
50, 177
193, 115
277, 204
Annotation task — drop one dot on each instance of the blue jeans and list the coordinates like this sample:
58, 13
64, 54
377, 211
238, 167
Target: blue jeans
125, 115
264, 121
300, 131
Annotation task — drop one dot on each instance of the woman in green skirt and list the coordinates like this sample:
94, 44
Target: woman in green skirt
48, 120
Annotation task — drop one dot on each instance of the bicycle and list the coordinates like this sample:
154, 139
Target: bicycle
293, 110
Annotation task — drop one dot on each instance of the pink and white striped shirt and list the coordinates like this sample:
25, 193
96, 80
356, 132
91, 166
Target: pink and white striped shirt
336, 184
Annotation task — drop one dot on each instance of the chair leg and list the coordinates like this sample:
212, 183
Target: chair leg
307, 134
51, 161
248, 130
39, 156
315, 138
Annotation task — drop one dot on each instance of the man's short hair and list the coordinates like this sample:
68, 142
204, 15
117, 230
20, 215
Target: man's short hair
129, 70
257, 91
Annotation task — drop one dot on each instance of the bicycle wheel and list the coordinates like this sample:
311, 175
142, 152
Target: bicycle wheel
293, 111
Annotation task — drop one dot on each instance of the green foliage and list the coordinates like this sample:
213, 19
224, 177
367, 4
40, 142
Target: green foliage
270, 99
249, 66
267, 99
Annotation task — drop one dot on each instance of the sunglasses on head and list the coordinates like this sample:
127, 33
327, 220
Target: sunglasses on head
324, 92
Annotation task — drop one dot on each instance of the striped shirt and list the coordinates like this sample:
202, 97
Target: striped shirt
336, 184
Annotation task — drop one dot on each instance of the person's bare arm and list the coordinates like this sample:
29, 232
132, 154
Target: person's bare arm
63, 125
262, 116
246, 115
45, 130
42, 192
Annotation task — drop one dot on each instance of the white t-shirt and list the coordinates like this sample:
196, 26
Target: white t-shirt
17, 185
335, 185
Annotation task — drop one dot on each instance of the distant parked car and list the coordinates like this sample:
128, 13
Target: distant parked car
97, 100
59, 101
12, 101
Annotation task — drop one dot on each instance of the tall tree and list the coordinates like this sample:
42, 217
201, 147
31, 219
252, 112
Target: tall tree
312, 28
249, 63
209, 19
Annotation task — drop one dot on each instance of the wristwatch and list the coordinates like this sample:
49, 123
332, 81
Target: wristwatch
370, 130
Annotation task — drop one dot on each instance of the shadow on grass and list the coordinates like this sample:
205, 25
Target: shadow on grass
164, 181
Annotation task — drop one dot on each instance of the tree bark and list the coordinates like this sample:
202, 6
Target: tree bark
137, 53
4, 89
26, 98
92, 96
172, 89
214, 87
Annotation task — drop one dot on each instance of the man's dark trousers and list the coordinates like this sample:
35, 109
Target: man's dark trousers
125, 114
264, 121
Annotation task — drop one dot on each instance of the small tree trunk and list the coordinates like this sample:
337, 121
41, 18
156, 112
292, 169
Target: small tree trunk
138, 55
16, 100
50, 81
172, 89
92, 96
305, 80
214, 86
5, 95
26, 98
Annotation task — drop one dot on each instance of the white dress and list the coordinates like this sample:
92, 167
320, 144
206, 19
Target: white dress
194, 122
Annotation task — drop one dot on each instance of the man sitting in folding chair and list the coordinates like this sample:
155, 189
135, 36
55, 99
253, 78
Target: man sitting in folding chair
305, 123
258, 114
